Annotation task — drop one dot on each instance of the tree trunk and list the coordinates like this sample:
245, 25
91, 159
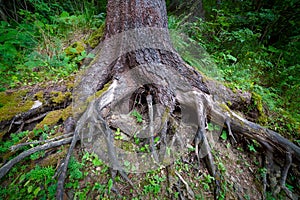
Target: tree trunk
138, 73
144, 70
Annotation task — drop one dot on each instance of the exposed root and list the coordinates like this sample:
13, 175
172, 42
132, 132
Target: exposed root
62, 176
205, 108
151, 127
7, 166
16, 147
284, 173
232, 138
190, 192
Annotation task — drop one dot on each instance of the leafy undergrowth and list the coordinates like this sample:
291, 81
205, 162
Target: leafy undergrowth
88, 177
46, 41
228, 50
49, 45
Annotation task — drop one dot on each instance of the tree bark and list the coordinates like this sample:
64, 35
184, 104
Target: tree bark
137, 69
136, 23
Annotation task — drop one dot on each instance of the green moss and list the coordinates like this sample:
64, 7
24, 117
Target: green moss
40, 96
66, 113
59, 97
51, 119
95, 37
259, 105
75, 49
54, 117
125, 145
99, 93
225, 107
229, 103
13, 104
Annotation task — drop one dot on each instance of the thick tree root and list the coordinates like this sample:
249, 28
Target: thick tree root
206, 108
62, 176
7, 166
16, 147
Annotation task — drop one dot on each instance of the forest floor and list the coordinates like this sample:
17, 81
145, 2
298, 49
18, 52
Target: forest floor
88, 176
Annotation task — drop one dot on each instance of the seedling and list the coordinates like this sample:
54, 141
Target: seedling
138, 116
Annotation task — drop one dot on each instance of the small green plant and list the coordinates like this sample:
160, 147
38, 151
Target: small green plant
138, 116
37, 183
224, 135
208, 179
74, 173
213, 127
145, 148
154, 185
118, 135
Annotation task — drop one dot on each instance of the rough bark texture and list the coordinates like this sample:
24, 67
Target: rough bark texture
124, 16
163, 69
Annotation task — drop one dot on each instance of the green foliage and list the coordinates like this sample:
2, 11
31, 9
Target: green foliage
154, 184
138, 116
37, 183
32, 48
118, 135
249, 55
224, 135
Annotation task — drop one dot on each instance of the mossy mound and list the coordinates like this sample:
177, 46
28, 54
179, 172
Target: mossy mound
60, 97
75, 49
263, 119
13, 103
95, 37
54, 117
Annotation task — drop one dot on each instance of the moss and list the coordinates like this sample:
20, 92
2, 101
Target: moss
66, 113
263, 119
99, 93
40, 96
70, 84
95, 37
229, 103
127, 146
60, 97
75, 49
13, 104
225, 107
53, 117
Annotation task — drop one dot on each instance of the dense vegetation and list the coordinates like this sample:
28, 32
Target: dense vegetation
255, 47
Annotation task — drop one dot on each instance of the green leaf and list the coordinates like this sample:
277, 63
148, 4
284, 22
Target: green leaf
36, 191
230, 57
156, 140
251, 148
97, 162
29, 189
224, 135
64, 14
139, 117
110, 185
210, 127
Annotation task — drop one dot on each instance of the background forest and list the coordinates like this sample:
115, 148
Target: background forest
254, 45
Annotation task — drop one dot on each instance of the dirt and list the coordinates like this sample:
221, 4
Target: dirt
241, 171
